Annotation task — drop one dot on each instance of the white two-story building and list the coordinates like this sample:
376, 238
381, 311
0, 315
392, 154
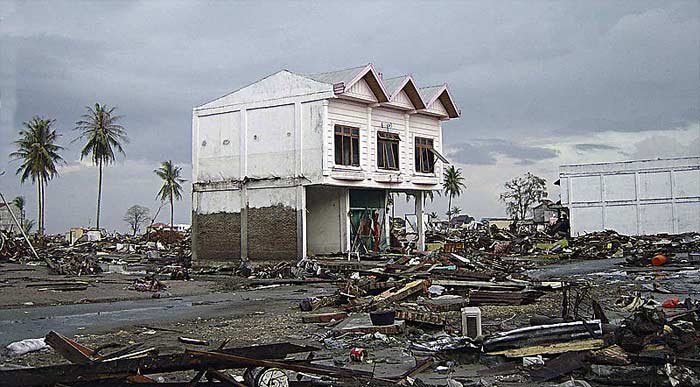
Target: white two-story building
296, 165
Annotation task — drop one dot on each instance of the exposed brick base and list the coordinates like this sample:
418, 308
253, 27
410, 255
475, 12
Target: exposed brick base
272, 236
272, 233
217, 238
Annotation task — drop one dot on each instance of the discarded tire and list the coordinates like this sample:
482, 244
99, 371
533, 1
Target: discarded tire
265, 377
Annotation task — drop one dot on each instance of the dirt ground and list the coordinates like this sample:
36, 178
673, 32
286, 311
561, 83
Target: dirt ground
217, 308
18, 287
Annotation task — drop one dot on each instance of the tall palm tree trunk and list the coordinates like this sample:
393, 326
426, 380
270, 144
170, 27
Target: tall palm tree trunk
172, 213
449, 211
99, 193
43, 206
38, 206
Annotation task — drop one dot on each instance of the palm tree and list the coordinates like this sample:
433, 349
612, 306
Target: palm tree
27, 226
102, 134
172, 188
452, 184
38, 151
19, 203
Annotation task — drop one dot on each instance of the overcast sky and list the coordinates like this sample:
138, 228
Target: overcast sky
540, 84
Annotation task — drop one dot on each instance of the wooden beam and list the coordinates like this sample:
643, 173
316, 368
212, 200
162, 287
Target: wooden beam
69, 349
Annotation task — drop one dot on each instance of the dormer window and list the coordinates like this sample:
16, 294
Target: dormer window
347, 146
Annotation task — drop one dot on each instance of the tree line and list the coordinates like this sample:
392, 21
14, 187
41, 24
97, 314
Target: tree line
102, 136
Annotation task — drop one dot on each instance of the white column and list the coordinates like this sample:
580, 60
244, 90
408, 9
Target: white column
420, 223
345, 219
370, 139
301, 221
327, 138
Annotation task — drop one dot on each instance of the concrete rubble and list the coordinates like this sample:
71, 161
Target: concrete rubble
480, 308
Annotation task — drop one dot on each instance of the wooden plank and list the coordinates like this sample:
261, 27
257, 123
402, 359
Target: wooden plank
496, 286
550, 349
69, 349
323, 317
243, 362
119, 369
408, 290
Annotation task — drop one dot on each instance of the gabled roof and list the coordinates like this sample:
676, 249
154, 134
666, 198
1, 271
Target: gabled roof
343, 80
340, 76
283, 83
430, 94
405, 82
362, 83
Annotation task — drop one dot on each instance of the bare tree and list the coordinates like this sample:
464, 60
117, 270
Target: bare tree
137, 216
522, 193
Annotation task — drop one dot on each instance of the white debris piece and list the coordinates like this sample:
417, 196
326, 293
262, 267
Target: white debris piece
25, 346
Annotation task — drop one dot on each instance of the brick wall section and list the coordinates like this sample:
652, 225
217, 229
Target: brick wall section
217, 237
272, 233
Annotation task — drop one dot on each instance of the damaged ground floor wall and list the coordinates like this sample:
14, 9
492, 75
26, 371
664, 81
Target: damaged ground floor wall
255, 220
281, 219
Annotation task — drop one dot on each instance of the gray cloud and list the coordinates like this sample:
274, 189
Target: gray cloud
669, 121
518, 70
665, 146
594, 147
484, 152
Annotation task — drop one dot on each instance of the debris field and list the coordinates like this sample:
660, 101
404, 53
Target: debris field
479, 308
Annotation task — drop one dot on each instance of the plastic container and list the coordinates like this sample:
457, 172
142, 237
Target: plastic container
382, 317
659, 260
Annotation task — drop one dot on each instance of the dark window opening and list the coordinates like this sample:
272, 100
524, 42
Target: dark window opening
347, 146
425, 158
388, 150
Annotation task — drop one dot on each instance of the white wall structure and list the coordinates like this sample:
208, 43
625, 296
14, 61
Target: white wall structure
264, 163
634, 197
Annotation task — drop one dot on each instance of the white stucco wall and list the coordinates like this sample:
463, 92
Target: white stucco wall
326, 218
635, 198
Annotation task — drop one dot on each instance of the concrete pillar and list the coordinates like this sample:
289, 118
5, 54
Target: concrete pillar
301, 221
345, 220
244, 222
420, 221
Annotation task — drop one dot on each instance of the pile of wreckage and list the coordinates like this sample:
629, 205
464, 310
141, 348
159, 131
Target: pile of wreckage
595, 245
261, 366
161, 251
431, 306
432, 302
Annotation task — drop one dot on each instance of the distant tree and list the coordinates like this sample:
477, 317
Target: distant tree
28, 225
19, 203
433, 216
102, 134
452, 184
137, 216
172, 185
522, 193
39, 154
